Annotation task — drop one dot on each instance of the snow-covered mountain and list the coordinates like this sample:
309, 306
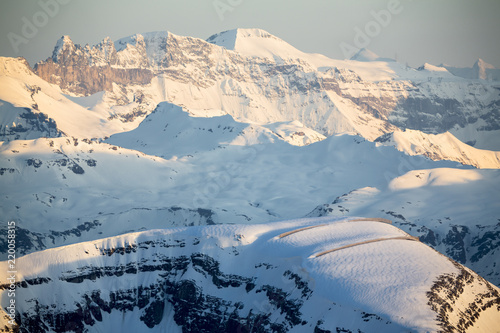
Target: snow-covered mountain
321, 275
182, 169
115, 157
454, 211
170, 131
245, 71
441, 146
241, 172
480, 70
120, 111
32, 108
368, 55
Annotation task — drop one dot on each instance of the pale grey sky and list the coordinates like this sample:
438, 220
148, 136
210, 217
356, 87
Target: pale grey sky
456, 32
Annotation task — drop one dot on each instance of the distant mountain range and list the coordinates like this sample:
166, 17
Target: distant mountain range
480, 70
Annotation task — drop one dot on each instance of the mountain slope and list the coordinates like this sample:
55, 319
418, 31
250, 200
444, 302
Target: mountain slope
170, 131
32, 108
206, 170
443, 146
234, 176
223, 278
454, 211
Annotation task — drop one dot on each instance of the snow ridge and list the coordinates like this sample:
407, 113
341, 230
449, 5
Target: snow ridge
374, 285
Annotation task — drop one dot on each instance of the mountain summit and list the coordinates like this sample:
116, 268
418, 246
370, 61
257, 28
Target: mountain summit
255, 42
365, 55
481, 69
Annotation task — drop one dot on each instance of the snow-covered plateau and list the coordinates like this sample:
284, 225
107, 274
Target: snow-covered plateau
237, 184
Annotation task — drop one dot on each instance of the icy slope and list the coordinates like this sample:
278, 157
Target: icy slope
170, 131
260, 278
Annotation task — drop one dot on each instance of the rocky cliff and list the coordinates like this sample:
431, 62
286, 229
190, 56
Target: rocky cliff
86, 70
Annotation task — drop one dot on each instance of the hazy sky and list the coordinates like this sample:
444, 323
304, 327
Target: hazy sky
456, 32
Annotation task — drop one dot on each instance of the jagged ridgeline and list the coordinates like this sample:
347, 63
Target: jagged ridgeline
261, 71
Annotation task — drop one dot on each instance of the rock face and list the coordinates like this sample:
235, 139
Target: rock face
87, 80
29, 124
18, 121
85, 70
448, 291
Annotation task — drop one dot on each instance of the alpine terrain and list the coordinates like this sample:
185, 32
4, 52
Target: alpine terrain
237, 184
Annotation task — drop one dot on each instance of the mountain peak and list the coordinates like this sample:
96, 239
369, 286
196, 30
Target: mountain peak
365, 55
62, 44
14, 66
229, 37
107, 40
480, 69
481, 63
432, 68
65, 39
255, 43
253, 32
155, 39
